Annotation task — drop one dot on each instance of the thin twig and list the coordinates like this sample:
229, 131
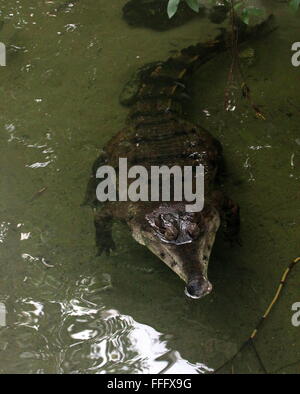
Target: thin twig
254, 333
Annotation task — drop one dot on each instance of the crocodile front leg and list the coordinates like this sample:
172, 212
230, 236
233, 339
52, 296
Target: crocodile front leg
231, 221
90, 198
103, 221
230, 217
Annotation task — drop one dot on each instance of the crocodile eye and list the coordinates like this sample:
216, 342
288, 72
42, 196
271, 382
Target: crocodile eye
171, 233
193, 230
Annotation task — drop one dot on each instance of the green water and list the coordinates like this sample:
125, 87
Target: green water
71, 312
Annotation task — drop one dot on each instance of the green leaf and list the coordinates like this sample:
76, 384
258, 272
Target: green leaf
193, 4
238, 5
245, 16
294, 4
251, 11
172, 7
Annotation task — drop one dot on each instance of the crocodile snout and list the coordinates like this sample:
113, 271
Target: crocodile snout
198, 287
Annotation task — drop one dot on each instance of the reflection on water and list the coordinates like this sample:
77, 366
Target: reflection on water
116, 343
64, 310
88, 338
3, 230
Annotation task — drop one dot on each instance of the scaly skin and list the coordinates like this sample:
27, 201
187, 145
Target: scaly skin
157, 133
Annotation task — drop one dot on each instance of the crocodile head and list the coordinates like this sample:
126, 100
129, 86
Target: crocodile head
183, 240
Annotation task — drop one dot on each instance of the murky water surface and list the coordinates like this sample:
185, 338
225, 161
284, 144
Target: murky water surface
68, 311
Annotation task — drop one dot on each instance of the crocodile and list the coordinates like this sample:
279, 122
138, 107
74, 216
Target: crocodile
157, 132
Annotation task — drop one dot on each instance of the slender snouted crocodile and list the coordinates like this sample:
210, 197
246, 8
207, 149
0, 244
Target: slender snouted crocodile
157, 133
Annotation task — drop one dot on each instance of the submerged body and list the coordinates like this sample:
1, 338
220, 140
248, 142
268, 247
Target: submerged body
157, 133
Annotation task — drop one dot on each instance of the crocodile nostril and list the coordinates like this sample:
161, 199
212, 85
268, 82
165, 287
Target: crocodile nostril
198, 288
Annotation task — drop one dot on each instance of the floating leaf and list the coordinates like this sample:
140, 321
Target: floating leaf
238, 5
251, 11
193, 4
245, 16
172, 7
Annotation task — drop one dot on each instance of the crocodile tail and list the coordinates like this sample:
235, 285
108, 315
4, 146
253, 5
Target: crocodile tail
168, 80
192, 57
164, 92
